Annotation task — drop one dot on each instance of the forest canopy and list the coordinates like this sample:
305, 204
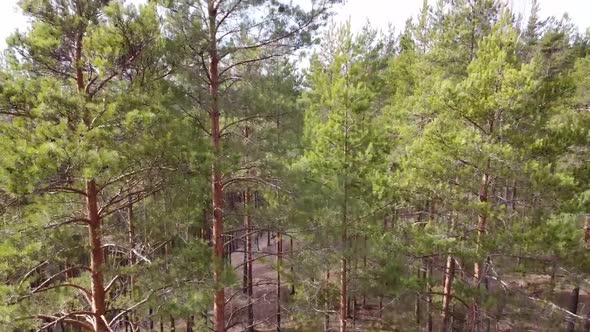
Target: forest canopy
247, 165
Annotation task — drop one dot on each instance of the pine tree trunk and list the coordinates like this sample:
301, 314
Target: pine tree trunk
418, 297
344, 255
216, 184
248, 266
292, 266
417, 308
131, 242
343, 294
447, 292
428, 263
327, 303
343, 276
365, 244
553, 276
513, 196
151, 319
354, 306
279, 265
477, 268
573, 308
96, 258
427, 277
189, 324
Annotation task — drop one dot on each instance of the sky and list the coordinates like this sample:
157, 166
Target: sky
380, 13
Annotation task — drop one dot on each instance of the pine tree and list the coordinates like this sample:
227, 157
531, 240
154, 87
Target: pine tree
220, 50
72, 106
340, 123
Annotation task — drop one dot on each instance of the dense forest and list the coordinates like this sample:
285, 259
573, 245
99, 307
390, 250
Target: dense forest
246, 165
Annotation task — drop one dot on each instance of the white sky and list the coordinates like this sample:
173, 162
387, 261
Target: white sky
378, 12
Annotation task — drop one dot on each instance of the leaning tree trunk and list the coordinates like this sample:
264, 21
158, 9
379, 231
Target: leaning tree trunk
96, 259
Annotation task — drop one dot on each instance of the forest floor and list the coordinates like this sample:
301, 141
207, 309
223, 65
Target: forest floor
265, 294
368, 316
264, 288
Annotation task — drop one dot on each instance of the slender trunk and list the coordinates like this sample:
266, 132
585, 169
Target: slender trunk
246, 262
486, 281
573, 308
292, 267
216, 184
349, 306
150, 318
513, 196
354, 306
417, 299
327, 303
552, 278
172, 324
96, 258
161, 324
343, 295
428, 263
279, 265
248, 267
189, 324
343, 273
478, 273
427, 277
131, 240
447, 293
364, 268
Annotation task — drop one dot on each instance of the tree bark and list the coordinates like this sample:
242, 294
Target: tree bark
573, 308
477, 268
131, 240
447, 293
216, 184
279, 265
248, 263
96, 258
419, 272
343, 275
292, 266
427, 277
327, 302
428, 263
417, 299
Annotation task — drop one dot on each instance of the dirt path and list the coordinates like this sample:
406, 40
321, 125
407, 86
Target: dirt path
264, 277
